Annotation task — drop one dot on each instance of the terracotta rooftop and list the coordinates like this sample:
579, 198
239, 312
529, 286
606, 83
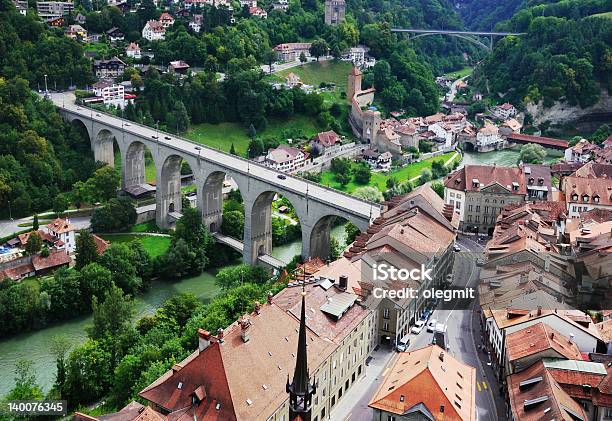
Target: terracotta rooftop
220, 369
538, 338
428, 379
589, 191
55, 259
328, 138
59, 226
535, 395
479, 177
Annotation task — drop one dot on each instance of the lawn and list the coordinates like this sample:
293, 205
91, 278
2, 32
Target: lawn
153, 244
222, 135
379, 180
329, 71
457, 74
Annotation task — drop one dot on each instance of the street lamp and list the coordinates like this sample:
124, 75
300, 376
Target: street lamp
46, 88
10, 211
157, 135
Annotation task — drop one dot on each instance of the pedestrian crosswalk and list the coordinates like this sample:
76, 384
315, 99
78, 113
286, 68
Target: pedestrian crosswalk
482, 385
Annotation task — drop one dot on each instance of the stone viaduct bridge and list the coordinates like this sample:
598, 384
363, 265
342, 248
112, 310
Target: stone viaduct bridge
316, 206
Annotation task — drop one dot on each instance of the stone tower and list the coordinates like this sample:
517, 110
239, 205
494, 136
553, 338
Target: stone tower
300, 389
334, 11
354, 83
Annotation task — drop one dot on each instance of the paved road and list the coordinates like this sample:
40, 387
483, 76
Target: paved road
463, 338
322, 194
8, 227
450, 96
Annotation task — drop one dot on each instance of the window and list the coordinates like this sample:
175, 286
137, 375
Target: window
401, 398
323, 414
333, 401
458, 195
390, 418
452, 194
386, 313
486, 209
386, 326
470, 208
346, 385
477, 218
458, 205
359, 370
469, 218
352, 377
477, 208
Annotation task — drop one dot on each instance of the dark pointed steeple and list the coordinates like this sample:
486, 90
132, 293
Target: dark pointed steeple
300, 390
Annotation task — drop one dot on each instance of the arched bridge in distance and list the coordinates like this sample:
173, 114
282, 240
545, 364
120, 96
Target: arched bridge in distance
471, 36
316, 206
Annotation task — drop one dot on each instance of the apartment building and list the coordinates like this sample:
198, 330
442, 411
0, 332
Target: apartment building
53, 9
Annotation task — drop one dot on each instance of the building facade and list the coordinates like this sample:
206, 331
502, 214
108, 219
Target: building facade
334, 11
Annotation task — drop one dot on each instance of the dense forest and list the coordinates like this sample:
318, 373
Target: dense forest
483, 15
565, 55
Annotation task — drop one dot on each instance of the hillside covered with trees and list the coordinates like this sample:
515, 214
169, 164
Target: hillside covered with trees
565, 55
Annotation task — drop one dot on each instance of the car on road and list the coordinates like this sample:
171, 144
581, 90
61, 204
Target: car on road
418, 327
456, 247
127, 124
431, 326
154, 137
403, 344
282, 177
480, 261
167, 138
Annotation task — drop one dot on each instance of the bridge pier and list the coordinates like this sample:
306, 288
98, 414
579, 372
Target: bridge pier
103, 148
257, 227
168, 195
133, 166
210, 201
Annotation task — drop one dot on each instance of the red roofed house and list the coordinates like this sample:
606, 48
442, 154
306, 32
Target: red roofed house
291, 51
166, 20
258, 11
285, 158
479, 192
535, 395
530, 344
63, 230
101, 244
583, 194
427, 384
241, 373
325, 142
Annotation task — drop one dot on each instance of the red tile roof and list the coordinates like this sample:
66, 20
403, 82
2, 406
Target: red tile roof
431, 377
542, 397
463, 179
54, 260
327, 139
538, 338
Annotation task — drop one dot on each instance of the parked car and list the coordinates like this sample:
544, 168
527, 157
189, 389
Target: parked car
403, 344
456, 247
431, 325
282, 177
418, 327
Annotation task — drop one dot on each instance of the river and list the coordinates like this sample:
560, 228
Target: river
34, 345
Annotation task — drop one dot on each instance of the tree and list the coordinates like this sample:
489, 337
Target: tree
362, 174
369, 193
426, 175
233, 224
438, 169
256, 148
532, 153
95, 281
117, 215
334, 249
438, 188
181, 307
602, 133
303, 58
382, 75
86, 249
268, 57
88, 373
34, 244
60, 345
352, 231
231, 277
119, 260
26, 387
60, 203
318, 48
252, 133
112, 314
343, 178
104, 183
233, 150
340, 166
179, 118
35, 224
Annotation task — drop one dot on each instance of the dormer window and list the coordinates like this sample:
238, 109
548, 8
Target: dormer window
596, 199
515, 186
585, 198
531, 180
574, 197
541, 181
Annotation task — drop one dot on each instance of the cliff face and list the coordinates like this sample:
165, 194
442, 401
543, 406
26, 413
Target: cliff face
561, 113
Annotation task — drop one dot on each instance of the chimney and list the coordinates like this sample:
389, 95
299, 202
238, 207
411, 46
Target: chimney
245, 324
571, 338
257, 307
552, 335
220, 335
203, 339
343, 282
441, 356
176, 368
270, 297
539, 310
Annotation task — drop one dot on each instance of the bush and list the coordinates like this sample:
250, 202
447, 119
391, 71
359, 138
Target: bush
117, 215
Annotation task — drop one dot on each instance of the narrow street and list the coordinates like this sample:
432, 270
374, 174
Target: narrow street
464, 337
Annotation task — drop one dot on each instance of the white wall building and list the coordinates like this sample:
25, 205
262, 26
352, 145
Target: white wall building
153, 31
64, 231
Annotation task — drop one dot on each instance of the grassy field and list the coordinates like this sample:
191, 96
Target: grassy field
153, 244
379, 180
460, 73
607, 15
221, 136
329, 71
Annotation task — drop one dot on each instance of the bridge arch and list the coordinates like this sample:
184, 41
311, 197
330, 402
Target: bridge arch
316, 238
81, 127
133, 165
465, 37
103, 146
168, 195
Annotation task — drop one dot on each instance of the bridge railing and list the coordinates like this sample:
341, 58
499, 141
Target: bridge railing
248, 161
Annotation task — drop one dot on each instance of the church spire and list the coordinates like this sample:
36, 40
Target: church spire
300, 390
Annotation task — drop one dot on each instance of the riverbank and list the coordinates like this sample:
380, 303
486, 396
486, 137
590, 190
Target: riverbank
34, 345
